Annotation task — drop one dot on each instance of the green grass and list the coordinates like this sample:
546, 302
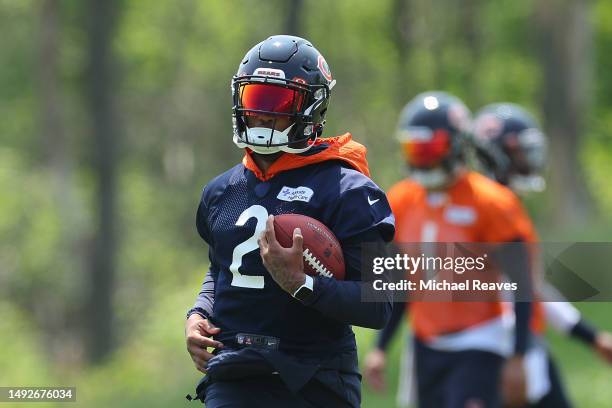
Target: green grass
152, 368
587, 378
365, 339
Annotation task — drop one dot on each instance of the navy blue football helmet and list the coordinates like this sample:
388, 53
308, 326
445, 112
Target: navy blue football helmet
431, 130
512, 147
283, 78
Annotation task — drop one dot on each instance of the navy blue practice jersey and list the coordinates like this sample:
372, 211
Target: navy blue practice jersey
232, 215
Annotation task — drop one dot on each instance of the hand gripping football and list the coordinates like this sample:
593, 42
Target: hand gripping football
322, 252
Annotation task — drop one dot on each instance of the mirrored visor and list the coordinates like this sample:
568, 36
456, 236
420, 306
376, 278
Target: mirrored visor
425, 148
271, 98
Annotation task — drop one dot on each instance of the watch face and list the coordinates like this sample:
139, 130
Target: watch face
303, 293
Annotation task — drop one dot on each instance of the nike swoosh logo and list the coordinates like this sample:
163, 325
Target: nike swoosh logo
372, 202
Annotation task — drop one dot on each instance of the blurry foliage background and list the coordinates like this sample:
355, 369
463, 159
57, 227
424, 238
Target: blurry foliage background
114, 115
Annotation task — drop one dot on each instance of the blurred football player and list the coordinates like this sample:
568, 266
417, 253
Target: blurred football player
460, 348
282, 338
513, 151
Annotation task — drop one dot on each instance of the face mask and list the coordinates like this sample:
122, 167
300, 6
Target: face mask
527, 184
260, 138
432, 178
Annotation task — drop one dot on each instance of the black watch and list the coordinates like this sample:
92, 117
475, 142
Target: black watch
304, 292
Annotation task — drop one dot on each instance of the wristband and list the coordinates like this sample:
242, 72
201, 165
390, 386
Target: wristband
584, 331
198, 310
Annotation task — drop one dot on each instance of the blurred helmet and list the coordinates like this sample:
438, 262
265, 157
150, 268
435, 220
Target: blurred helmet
286, 79
512, 147
431, 130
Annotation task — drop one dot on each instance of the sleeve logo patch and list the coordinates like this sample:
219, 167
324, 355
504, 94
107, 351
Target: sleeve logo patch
295, 194
372, 202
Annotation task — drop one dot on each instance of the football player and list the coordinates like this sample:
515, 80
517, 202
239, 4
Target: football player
460, 348
283, 338
513, 150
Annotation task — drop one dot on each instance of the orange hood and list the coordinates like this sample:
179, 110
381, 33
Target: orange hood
333, 148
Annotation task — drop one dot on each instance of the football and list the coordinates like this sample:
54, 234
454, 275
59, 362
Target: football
322, 251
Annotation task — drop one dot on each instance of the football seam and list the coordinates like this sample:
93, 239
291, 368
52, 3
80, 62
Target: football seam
316, 264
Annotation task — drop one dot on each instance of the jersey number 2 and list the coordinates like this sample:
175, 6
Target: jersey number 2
246, 281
